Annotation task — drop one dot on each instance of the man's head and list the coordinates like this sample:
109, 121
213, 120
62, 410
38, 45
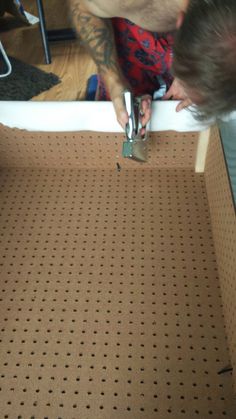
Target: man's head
205, 55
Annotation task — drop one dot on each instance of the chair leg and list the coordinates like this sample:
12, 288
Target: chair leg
44, 32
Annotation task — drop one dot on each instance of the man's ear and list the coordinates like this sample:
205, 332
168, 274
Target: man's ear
180, 19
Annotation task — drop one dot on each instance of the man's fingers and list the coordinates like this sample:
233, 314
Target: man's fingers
168, 95
146, 118
184, 104
173, 95
146, 109
177, 92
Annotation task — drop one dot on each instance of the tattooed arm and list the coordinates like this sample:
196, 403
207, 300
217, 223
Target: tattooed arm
97, 36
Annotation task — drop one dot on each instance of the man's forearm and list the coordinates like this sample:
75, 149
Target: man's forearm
96, 35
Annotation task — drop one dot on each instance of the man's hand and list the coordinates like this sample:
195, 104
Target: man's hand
116, 90
177, 92
122, 115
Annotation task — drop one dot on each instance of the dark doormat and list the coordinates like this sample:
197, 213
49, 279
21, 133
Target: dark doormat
25, 81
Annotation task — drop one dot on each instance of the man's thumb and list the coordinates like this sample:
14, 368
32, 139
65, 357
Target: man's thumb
121, 113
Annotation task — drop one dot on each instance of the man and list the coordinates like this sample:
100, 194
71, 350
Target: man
204, 62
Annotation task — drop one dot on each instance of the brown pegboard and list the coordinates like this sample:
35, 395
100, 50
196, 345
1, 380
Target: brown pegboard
91, 150
224, 229
110, 298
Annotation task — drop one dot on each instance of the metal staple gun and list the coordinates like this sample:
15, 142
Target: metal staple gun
136, 145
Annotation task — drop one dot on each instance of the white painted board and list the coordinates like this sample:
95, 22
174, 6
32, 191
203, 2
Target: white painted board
90, 116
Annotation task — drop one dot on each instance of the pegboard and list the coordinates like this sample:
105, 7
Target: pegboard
91, 150
110, 296
224, 229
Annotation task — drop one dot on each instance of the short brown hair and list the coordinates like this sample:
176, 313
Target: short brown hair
205, 55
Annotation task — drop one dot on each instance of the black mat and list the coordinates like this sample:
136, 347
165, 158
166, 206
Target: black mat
25, 81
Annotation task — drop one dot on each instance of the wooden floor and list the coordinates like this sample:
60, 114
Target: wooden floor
69, 60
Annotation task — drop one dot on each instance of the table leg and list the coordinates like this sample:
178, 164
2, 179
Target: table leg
44, 32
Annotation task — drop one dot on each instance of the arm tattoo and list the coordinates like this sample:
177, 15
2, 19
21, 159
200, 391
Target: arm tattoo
97, 36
